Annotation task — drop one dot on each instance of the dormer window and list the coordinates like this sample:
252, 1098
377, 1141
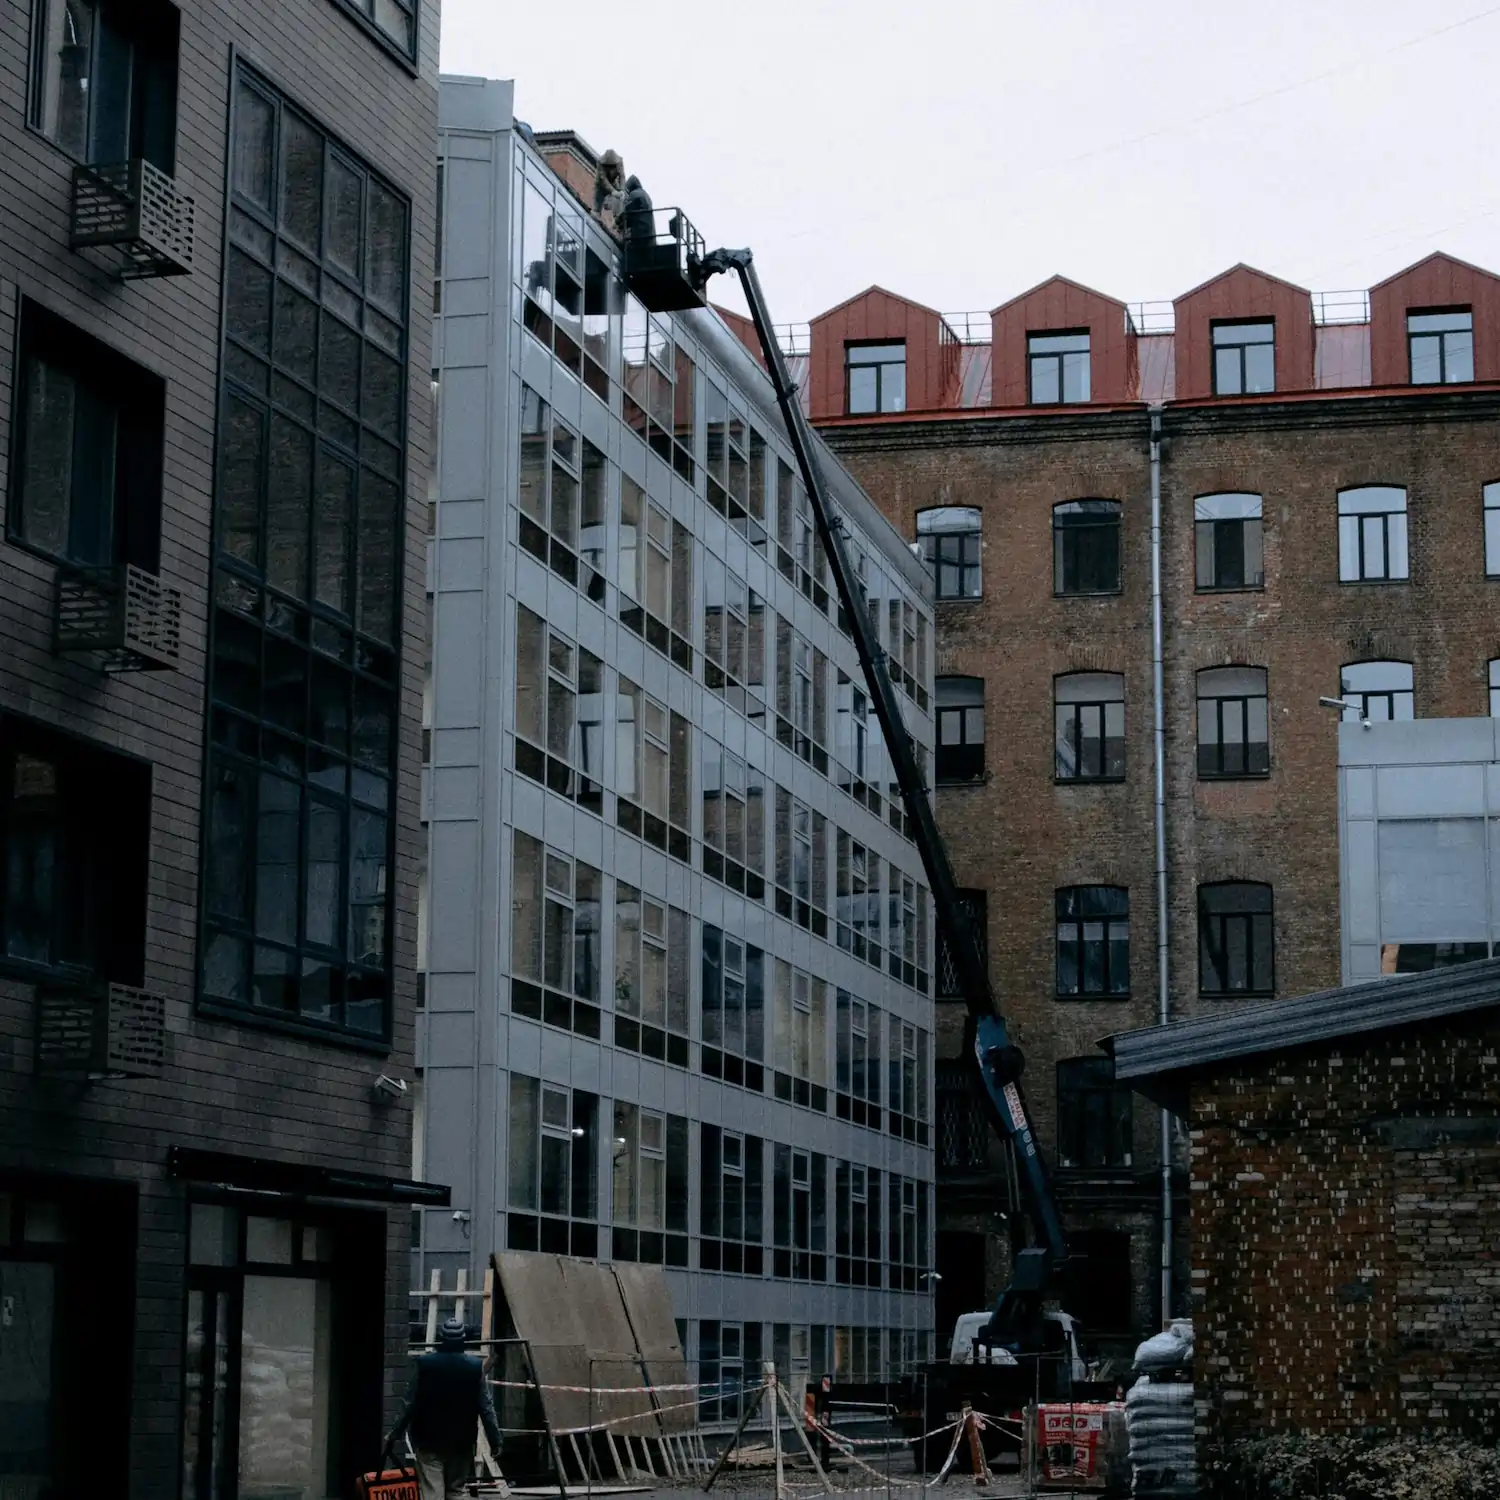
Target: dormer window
875, 378
1244, 358
1057, 367
1441, 345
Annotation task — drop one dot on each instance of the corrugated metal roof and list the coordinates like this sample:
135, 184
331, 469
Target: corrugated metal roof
1327, 1016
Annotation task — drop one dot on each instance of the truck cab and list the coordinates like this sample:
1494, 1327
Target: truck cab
1059, 1336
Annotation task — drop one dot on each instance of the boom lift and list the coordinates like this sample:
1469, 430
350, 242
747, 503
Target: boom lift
669, 269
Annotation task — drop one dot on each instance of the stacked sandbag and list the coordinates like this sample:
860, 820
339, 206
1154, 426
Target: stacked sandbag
1159, 1417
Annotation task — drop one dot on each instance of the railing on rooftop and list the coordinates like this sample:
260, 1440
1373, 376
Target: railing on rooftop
1340, 307
969, 327
1145, 318
1150, 317
794, 338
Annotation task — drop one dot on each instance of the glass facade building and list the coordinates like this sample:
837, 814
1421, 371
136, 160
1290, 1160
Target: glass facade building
677, 944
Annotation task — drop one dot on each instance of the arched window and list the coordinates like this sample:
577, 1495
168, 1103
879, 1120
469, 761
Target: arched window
1372, 534
1228, 534
1086, 547
1380, 689
1236, 939
1089, 713
948, 536
1233, 728
1093, 942
960, 728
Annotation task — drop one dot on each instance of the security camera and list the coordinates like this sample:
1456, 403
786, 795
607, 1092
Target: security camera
460, 1216
388, 1089
1346, 705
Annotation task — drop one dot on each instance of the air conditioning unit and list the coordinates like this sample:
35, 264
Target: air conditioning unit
136, 210
100, 1031
122, 615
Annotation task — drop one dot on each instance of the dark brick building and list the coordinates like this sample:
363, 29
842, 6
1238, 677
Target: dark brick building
1345, 1149
1320, 534
215, 273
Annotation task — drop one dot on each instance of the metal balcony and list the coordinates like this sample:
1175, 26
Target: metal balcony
122, 616
663, 260
100, 1031
136, 210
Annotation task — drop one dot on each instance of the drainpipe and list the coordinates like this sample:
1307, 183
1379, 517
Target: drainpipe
1159, 747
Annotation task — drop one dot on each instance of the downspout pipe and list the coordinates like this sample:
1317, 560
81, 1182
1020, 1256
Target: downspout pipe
1163, 928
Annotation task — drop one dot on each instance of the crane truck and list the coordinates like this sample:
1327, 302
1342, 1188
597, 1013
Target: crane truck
1023, 1346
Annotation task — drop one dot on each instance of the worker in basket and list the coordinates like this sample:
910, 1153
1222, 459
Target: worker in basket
449, 1397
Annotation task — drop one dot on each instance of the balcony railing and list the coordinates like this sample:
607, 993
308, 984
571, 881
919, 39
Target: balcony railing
123, 616
135, 209
100, 1031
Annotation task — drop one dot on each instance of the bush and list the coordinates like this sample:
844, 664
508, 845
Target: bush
1290, 1467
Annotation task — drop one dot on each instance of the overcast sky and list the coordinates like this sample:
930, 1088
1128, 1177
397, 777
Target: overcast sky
959, 151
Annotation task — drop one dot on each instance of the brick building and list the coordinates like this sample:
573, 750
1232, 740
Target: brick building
1345, 1149
215, 273
1329, 525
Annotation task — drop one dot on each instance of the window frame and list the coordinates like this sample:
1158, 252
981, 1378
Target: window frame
1489, 499
959, 762
135, 401
1250, 771
1206, 529
932, 544
1393, 694
582, 1134
879, 366
168, 17
1442, 335
1106, 941
106, 827
1074, 707
1249, 916
1057, 358
1240, 346
407, 60
1062, 528
379, 667
1352, 541
1078, 1080
1493, 673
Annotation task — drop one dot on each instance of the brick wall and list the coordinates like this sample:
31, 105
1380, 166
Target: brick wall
1019, 835
1346, 1238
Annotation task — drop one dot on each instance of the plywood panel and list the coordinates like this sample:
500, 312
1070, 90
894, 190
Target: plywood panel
649, 1307
614, 1362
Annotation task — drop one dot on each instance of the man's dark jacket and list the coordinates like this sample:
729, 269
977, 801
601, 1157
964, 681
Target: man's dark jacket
448, 1396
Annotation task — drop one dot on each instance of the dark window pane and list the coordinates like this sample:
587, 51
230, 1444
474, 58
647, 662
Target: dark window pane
325, 869
386, 250
242, 470
367, 888
382, 392
289, 503
379, 517
296, 332
346, 197
301, 181
47, 479
338, 371
331, 532
254, 138
248, 302
277, 827
227, 879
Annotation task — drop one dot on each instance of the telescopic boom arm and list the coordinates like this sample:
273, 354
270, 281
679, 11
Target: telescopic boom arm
998, 1060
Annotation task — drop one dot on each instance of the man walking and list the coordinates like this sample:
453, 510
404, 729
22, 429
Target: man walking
448, 1398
